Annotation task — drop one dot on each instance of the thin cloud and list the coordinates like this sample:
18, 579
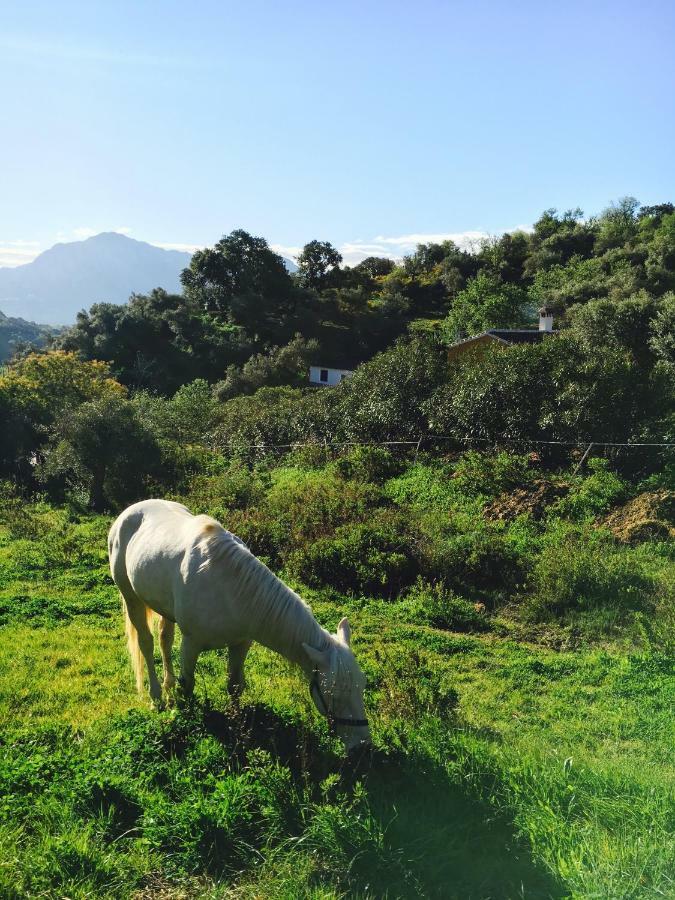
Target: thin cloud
17, 253
184, 248
62, 50
288, 252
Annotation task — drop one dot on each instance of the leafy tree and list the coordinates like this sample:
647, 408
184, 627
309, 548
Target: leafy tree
617, 225
486, 302
662, 328
287, 365
618, 325
660, 263
102, 448
373, 267
581, 280
557, 239
157, 341
243, 280
382, 399
556, 390
317, 263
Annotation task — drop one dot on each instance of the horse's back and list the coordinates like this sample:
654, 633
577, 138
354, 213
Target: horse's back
173, 561
145, 545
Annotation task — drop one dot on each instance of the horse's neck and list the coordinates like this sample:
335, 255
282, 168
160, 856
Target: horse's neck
286, 624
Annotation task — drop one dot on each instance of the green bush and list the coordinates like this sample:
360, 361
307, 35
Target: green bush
490, 474
373, 558
374, 464
593, 495
583, 570
474, 561
434, 604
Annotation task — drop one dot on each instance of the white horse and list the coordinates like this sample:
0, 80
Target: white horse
191, 571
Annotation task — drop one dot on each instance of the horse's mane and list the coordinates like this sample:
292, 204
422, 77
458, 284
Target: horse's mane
267, 598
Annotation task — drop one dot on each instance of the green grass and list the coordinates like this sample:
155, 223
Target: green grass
502, 768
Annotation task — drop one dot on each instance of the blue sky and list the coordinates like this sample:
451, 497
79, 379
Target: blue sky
368, 124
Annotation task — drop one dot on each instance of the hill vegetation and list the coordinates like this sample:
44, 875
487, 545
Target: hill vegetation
511, 595
17, 334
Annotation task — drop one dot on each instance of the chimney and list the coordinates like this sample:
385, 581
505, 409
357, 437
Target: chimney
545, 319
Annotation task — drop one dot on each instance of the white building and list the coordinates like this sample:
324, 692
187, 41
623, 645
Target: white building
327, 377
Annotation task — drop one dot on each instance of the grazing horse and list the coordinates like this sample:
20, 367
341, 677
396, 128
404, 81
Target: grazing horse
191, 571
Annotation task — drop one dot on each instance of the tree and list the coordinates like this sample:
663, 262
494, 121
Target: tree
373, 267
383, 398
37, 390
486, 302
621, 325
660, 264
617, 224
316, 263
157, 341
662, 340
556, 390
243, 280
102, 448
287, 365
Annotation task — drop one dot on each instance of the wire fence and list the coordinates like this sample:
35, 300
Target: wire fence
635, 456
431, 438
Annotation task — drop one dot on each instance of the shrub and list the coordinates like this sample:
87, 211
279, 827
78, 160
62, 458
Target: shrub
584, 570
374, 464
490, 474
594, 495
306, 506
423, 486
475, 561
373, 558
436, 605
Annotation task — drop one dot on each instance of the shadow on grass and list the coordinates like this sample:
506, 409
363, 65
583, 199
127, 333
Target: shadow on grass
440, 841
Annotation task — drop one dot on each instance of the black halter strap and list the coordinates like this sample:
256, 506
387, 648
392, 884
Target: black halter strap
315, 686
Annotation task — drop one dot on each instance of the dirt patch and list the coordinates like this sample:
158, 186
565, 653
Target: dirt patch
649, 516
533, 499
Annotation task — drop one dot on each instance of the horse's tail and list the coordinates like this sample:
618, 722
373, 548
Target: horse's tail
132, 641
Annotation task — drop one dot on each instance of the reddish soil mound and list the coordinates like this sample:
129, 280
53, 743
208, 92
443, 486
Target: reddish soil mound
532, 499
649, 516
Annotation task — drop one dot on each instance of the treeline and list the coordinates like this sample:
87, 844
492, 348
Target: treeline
135, 399
240, 305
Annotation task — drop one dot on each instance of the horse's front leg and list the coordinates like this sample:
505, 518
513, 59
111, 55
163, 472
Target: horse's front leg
237, 656
189, 652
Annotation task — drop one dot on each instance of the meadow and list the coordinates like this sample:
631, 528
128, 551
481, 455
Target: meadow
521, 683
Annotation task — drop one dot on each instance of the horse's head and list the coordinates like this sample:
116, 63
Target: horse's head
337, 687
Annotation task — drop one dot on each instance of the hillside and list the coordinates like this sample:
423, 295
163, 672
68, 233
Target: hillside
69, 277
15, 331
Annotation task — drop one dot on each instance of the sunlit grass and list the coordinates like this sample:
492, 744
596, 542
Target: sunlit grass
502, 768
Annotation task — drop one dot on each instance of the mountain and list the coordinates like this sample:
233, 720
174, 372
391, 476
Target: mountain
105, 268
69, 277
19, 331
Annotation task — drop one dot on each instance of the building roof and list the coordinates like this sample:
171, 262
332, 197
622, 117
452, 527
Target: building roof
508, 336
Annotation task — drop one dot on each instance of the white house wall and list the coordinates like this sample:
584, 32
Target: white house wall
335, 376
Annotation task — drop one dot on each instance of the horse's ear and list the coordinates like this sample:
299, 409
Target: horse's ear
320, 658
344, 632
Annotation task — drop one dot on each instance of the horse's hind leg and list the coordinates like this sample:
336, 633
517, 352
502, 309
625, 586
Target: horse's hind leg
139, 614
167, 629
235, 681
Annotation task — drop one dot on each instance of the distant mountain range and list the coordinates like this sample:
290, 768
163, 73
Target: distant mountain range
105, 268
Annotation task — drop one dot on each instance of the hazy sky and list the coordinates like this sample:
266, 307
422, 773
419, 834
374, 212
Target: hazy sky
369, 124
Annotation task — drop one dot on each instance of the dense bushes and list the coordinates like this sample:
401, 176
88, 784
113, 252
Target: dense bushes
582, 570
376, 558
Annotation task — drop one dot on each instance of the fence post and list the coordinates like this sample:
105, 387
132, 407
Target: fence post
583, 458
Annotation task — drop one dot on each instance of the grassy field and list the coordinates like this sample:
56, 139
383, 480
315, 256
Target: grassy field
513, 759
